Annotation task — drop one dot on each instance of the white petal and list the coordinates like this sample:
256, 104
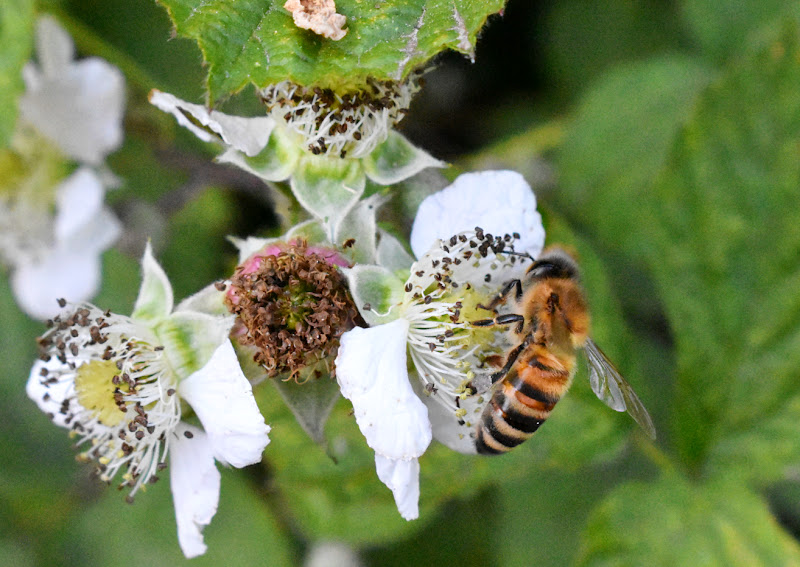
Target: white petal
248, 135
195, 483
371, 371
49, 398
223, 399
64, 273
332, 554
500, 202
79, 108
54, 47
402, 477
449, 430
79, 198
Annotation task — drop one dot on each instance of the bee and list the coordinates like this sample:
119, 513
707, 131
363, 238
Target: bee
552, 325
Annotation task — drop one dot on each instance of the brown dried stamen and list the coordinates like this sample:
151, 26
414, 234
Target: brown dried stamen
295, 307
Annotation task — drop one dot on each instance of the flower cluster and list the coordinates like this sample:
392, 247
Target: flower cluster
171, 387
53, 223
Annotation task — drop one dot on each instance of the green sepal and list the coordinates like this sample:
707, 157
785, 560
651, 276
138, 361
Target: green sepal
275, 162
155, 298
376, 291
250, 245
311, 400
359, 225
208, 300
190, 339
16, 41
396, 159
328, 187
312, 231
392, 254
254, 372
256, 41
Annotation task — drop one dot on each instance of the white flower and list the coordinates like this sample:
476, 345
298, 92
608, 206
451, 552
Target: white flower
77, 105
118, 384
428, 316
57, 257
53, 224
326, 144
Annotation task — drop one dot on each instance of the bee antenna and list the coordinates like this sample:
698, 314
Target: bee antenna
523, 254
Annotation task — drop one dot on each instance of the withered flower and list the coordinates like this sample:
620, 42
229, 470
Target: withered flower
292, 306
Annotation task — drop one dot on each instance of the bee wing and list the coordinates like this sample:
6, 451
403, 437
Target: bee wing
613, 390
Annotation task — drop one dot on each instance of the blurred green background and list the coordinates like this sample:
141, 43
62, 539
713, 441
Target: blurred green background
663, 142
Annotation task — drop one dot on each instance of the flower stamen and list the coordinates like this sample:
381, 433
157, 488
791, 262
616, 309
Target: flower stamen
117, 392
349, 124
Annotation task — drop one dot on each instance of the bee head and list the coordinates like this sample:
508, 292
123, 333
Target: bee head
554, 263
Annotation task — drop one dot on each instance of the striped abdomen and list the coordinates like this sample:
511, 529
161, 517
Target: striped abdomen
523, 401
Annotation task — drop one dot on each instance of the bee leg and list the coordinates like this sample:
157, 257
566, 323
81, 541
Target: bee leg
502, 320
512, 358
516, 285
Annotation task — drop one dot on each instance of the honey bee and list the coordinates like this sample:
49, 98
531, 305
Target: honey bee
552, 325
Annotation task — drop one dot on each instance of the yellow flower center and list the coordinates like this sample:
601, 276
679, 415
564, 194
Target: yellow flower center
96, 391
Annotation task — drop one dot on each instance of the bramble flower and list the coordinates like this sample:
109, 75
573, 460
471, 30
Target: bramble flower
123, 385
53, 223
427, 317
326, 143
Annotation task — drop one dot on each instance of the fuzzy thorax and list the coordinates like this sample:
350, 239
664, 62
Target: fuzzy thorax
340, 124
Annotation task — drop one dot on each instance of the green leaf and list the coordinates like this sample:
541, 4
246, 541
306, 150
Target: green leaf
256, 41
243, 520
376, 292
610, 157
674, 522
16, 42
764, 451
722, 28
154, 301
397, 159
726, 252
311, 401
328, 187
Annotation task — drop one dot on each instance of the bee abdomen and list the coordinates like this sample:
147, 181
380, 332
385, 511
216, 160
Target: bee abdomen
508, 420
